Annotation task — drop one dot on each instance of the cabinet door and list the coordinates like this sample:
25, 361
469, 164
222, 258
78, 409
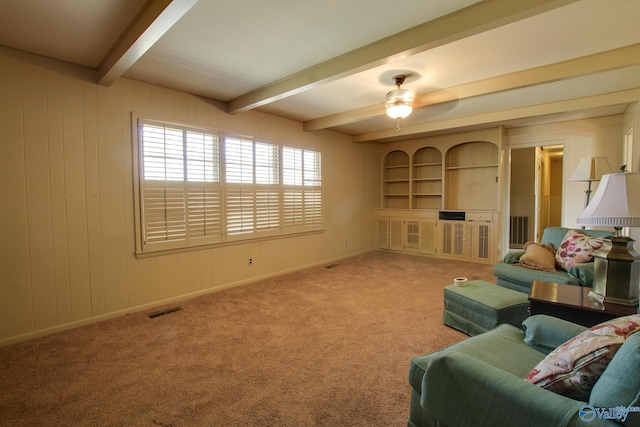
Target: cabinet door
428, 237
412, 236
481, 240
382, 233
453, 238
396, 231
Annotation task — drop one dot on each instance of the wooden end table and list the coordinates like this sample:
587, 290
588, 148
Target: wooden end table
572, 303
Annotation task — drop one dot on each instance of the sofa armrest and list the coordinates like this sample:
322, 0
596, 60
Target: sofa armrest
545, 333
584, 273
513, 257
458, 389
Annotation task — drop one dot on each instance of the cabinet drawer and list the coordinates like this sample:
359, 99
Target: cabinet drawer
479, 216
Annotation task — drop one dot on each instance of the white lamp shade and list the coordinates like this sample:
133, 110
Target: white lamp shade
399, 103
591, 169
399, 111
616, 202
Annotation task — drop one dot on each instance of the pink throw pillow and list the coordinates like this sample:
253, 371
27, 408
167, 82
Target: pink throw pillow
573, 368
577, 248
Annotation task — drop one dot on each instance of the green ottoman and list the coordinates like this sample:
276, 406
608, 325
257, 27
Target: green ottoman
482, 306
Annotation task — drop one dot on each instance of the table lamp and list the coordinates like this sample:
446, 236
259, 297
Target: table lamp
590, 169
616, 203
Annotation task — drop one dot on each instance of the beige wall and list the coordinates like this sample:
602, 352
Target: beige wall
66, 223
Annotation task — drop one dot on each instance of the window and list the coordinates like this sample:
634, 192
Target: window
302, 193
199, 187
252, 199
180, 186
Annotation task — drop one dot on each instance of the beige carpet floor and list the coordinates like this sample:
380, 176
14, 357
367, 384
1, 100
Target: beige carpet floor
317, 347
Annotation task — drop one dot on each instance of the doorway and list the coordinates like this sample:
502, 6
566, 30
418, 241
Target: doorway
536, 193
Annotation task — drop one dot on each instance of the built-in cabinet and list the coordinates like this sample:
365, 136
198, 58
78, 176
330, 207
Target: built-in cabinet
470, 239
407, 231
422, 232
420, 182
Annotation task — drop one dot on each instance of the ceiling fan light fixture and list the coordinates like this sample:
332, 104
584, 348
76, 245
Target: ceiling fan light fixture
399, 101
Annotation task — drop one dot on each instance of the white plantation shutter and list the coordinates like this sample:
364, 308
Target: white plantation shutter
302, 193
195, 191
164, 215
238, 157
312, 208
203, 158
293, 208
252, 200
204, 215
302, 208
267, 210
180, 186
204, 204
240, 215
163, 153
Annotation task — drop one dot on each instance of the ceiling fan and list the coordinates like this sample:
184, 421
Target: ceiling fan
399, 102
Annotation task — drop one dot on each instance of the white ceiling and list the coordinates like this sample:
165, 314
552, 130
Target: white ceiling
329, 63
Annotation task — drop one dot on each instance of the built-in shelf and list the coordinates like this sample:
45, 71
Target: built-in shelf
396, 180
493, 165
472, 176
426, 179
428, 164
464, 178
418, 185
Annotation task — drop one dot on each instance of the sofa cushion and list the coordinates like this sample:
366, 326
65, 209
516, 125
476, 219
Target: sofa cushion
525, 276
573, 368
538, 257
619, 385
577, 248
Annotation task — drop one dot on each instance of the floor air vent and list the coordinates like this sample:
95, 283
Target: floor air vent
162, 313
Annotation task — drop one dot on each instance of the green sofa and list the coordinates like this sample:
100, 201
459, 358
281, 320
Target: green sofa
480, 381
510, 275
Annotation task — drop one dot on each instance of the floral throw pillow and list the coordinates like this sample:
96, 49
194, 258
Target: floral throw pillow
573, 368
577, 248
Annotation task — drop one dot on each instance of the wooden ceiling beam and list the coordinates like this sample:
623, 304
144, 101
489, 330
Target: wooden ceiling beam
484, 119
153, 21
605, 61
475, 19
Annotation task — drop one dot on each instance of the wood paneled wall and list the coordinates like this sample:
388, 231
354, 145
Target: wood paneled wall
67, 225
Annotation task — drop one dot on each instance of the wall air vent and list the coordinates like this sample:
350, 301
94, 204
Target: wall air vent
164, 312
